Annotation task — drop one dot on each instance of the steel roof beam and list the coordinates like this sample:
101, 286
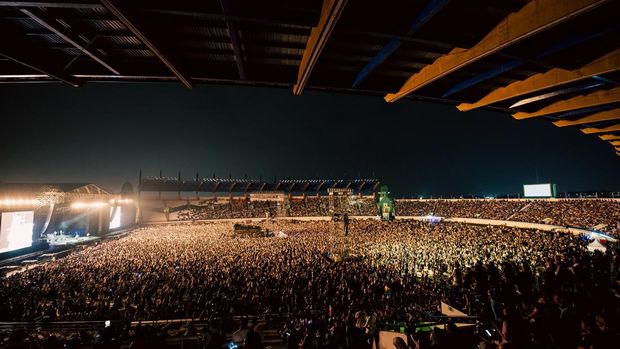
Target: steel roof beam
234, 39
578, 102
556, 93
331, 11
515, 63
18, 49
238, 18
424, 16
536, 16
219, 16
266, 21
606, 80
124, 16
607, 115
554, 77
64, 33
615, 143
26, 60
609, 137
51, 4
590, 130
577, 112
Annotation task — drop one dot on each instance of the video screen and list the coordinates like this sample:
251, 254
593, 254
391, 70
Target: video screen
115, 222
537, 190
16, 230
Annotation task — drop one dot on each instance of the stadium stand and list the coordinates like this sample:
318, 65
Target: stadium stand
601, 214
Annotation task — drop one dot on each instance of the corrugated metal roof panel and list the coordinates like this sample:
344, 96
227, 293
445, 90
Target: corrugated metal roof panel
91, 10
277, 61
52, 38
106, 25
29, 23
71, 51
207, 44
132, 52
273, 51
218, 57
274, 37
121, 40
214, 32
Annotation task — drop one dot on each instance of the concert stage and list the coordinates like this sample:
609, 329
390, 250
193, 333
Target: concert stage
64, 240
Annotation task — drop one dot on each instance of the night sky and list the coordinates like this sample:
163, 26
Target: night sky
105, 132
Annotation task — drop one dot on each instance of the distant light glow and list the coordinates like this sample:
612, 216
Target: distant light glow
19, 202
120, 201
431, 218
92, 204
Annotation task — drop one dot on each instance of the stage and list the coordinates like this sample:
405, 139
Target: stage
64, 240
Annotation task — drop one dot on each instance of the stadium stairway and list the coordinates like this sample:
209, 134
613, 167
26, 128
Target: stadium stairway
520, 210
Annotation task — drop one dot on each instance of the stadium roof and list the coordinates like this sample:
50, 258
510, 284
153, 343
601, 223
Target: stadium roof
72, 188
223, 185
555, 60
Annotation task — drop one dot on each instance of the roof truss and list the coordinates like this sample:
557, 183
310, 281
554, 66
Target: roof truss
579, 102
534, 17
606, 115
51, 4
553, 78
234, 39
591, 130
55, 27
330, 12
18, 49
432, 7
123, 15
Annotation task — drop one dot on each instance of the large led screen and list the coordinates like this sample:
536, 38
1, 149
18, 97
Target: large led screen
115, 222
537, 190
16, 230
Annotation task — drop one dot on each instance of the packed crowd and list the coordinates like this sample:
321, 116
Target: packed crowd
321, 206
309, 206
486, 209
535, 286
595, 214
234, 209
602, 214
598, 214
